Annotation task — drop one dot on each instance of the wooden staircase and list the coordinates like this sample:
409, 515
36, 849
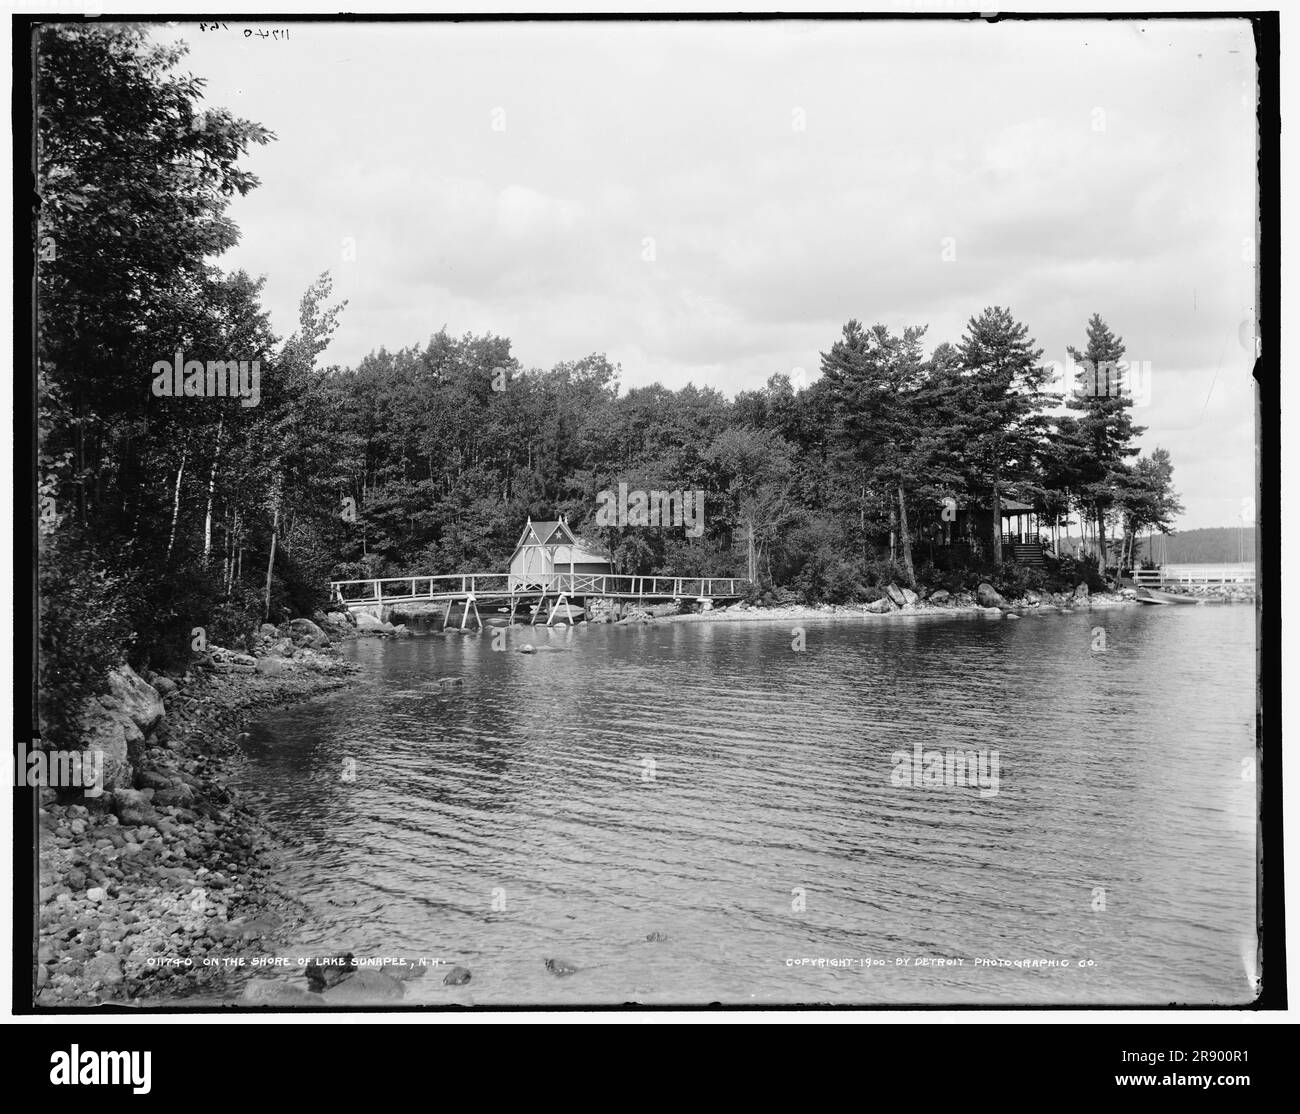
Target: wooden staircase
1028, 553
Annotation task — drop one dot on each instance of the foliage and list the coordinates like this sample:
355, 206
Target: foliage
1014, 580
1065, 574
83, 631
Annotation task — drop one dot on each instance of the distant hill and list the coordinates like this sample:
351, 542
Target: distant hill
1219, 545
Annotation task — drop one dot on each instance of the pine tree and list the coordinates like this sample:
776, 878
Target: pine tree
1002, 394
1106, 428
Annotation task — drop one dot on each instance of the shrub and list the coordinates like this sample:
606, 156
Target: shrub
845, 583
172, 600
882, 571
935, 576
84, 631
1067, 572
1014, 580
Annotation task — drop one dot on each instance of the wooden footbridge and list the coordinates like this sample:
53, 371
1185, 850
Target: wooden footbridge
562, 591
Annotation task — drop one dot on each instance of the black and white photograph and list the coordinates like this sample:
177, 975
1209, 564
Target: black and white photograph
643, 513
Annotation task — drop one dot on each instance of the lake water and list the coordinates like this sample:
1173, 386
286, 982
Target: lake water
707, 782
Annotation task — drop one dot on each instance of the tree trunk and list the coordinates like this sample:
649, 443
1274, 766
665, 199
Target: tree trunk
81, 457
905, 538
176, 504
212, 487
225, 552
997, 525
236, 537
270, 564
752, 570
1101, 539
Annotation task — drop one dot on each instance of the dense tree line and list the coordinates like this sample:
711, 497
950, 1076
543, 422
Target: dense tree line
165, 514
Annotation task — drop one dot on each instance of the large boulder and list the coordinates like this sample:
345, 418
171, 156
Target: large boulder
223, 656
106, 731
365, 987
939, 598
134, 806
988, 596
178, 795
136, 697
896, 596
878, 607
368, 623
274, 992
152, 779
910, 598
304, 630
104, 969
457, 976
1081, 591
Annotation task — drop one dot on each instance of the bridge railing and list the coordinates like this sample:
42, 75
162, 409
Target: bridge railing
610, 584
417, 587
456, 585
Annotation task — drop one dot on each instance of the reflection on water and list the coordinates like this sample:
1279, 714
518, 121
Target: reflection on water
706, 782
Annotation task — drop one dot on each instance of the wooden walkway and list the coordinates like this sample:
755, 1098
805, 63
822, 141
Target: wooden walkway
1190, 575
561, 589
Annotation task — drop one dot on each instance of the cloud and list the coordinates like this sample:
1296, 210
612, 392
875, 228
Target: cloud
510, 178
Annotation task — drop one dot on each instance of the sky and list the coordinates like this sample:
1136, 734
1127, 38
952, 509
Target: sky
711, 202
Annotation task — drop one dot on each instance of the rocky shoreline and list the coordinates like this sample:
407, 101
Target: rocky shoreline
898, 601
156, 887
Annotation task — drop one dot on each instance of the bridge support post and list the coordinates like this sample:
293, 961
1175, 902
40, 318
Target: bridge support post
561, 599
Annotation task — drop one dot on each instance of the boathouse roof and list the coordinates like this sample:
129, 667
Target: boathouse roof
550, 533
554, 533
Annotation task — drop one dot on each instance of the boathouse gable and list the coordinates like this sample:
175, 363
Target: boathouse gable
549, 547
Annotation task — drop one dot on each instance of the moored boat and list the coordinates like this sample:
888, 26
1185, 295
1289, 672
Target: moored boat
1154, 595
